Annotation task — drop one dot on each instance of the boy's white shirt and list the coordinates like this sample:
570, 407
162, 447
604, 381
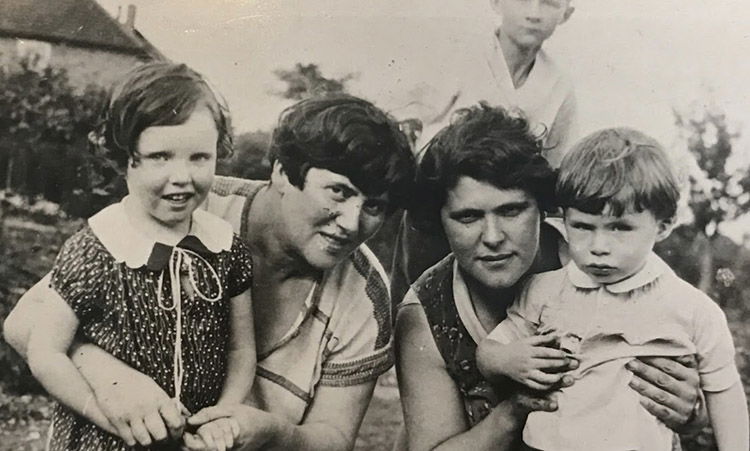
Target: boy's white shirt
540, 97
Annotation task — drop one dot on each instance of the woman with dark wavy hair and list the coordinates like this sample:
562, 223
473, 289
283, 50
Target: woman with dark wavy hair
484, 190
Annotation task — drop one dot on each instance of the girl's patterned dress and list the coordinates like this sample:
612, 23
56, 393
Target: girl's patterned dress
101, 273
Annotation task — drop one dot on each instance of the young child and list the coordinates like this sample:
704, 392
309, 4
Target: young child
152, 280
614, 301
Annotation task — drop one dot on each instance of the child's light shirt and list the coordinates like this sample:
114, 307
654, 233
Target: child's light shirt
652, 313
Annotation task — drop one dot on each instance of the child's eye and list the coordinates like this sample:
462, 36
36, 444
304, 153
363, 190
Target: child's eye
201, 157
157, 156
621, 228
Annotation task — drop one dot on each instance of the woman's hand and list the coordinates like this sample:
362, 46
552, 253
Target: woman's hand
526, 401
670, 389
139, 409
249, 427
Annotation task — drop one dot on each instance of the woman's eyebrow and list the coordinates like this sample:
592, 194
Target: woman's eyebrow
513, 205
464, 211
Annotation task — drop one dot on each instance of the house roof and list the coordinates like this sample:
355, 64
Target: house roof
77, 22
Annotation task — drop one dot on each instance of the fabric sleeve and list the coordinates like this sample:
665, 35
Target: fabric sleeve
715, 348
79, 273
564, 130
241, 267
523, 315
361, 345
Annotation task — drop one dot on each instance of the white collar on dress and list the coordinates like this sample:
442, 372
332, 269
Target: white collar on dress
465, 308
114, 229
652, 270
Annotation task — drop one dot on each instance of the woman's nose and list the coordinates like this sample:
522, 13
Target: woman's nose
348, 215
493, 233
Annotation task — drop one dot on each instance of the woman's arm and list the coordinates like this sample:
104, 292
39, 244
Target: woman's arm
728, 412
48, 342
433, 409
113, 382
241, 358
331, 423
17, 326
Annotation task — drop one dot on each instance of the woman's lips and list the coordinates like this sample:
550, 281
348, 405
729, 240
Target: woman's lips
336, 241
495, 259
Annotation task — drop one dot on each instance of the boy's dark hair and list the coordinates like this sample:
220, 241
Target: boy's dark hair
619, 169
348, 136
156, 94
487, 144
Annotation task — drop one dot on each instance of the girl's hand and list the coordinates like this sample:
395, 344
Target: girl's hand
249, 427
140, 410
670, 389
527, 361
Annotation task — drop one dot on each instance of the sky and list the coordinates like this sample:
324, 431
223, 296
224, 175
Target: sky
632, 61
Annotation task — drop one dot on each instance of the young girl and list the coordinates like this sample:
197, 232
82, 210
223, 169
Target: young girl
152, 280
615, 301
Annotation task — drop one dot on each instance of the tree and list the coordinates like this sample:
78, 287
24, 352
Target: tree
306, 80
45, 123
718, 192
250, 158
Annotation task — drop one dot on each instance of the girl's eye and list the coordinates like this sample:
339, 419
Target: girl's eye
202, 157
158, 156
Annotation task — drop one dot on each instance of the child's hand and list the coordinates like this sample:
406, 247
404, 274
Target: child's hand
530, 361
219, 434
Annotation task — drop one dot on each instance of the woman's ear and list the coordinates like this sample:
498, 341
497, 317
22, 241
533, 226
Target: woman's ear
278, 176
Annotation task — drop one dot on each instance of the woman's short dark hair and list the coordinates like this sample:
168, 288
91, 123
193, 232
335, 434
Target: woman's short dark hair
156, 94
487, 144
348, 136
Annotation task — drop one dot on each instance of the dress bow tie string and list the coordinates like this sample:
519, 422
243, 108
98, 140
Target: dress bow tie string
171, 259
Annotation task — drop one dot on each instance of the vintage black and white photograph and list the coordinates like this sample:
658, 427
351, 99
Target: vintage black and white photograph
374, 225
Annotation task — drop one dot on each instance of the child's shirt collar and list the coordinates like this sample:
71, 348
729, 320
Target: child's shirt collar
114, 229
652, 270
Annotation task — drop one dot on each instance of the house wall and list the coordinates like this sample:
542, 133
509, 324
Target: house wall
85, 66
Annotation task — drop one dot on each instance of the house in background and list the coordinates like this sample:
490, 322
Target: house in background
78, 35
